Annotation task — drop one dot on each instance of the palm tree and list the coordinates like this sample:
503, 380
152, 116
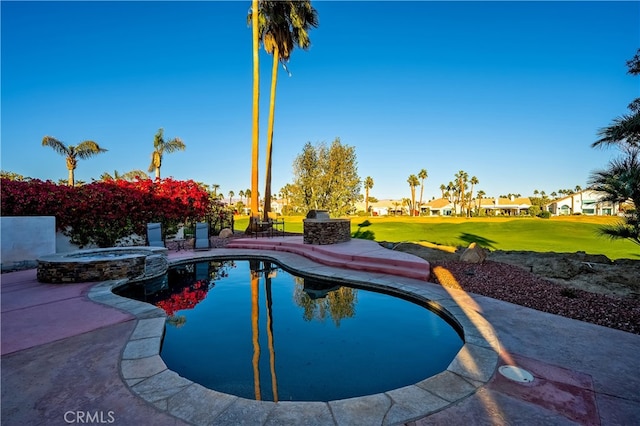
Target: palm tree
621, 182
395, 207
474, 181
368, 184
81, 151
255, 36
422, 175
247, 193
214, 188
481, 194
160, 146
283, 24
231, 194
623, 130
443, 189
579, 191
413, 182
460, 187
131, 175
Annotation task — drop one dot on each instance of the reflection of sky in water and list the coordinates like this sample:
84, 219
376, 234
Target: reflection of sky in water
349, 342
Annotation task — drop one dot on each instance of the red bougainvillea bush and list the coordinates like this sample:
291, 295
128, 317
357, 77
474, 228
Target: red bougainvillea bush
103, 212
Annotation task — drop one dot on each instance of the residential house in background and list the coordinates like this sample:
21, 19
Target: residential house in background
383, 208
438, 207
503, 206
587, 202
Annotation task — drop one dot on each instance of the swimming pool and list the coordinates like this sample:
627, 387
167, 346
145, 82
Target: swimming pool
252, 329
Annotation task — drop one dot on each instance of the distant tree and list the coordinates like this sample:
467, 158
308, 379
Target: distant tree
422, 175
130, 175
160, 146
474, 181
286, 193
13, 176
214, 188
460, 187
231, 194
368, 184
395, 206
326, 177
413, 181
481, 194
443, 189
449, 191
407, 202
83, 150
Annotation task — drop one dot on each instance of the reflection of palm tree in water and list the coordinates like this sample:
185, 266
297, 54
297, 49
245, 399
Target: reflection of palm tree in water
272, 352
255, 316
255, 312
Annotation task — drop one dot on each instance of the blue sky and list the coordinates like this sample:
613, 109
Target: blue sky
510, 92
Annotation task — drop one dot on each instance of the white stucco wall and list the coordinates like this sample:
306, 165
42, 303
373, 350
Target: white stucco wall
25, 238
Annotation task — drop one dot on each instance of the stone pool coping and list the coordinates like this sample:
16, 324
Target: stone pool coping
147, 376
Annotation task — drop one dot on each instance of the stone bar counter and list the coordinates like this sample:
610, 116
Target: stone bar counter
319, 229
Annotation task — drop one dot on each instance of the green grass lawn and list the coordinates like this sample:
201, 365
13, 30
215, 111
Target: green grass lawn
558, 234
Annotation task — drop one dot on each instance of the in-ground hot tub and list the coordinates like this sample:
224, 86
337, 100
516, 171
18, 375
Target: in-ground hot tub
134, 263
319, 229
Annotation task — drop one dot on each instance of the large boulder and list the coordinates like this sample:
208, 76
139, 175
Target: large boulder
473, 254
225, 233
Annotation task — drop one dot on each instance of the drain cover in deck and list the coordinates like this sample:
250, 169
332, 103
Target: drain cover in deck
516, 374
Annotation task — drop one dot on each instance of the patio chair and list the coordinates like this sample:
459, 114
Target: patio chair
154, 235
277, 226
202, 237
260, 227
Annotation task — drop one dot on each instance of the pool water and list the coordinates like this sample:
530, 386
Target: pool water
251, 329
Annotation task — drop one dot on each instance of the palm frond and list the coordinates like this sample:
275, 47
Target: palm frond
57, 146
174, 145
620, 231
623, 130
87, 149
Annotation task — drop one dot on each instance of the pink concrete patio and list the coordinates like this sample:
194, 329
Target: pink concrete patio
61, 351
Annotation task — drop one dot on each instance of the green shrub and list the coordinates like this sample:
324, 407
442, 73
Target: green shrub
535, 211
545, 214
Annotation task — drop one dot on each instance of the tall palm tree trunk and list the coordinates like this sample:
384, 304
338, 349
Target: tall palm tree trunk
256, 120
71, 179
366, 200
272, 109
